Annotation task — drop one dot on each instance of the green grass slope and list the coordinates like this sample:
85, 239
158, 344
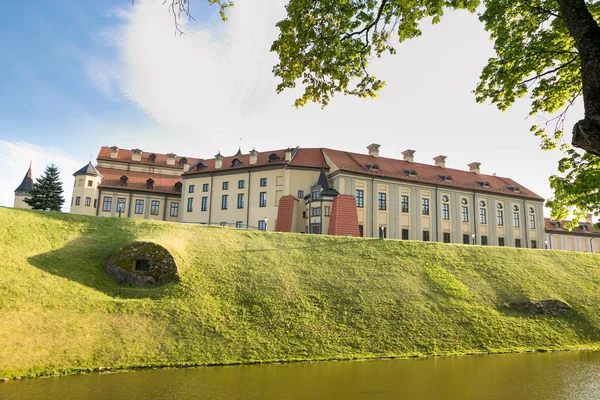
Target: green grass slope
250, 296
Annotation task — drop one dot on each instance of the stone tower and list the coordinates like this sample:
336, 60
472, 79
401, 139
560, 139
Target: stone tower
85, 190
24, 190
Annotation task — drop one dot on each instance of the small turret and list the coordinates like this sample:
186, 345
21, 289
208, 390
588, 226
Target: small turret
24, 190
85, 190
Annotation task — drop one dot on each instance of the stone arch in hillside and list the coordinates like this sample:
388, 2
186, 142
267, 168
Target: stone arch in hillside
143, 264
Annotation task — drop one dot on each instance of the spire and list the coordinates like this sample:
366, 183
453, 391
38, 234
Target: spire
323, 180
239, 152
27, 184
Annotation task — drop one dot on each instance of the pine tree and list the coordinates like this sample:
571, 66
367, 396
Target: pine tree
47, 191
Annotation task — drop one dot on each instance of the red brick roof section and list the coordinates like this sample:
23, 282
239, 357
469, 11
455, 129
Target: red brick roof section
429, 174
165, 184
303, 158
584, 228
285, 214
124, 155
344, 217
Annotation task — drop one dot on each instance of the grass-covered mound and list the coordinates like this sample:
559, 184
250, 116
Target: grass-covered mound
250, 296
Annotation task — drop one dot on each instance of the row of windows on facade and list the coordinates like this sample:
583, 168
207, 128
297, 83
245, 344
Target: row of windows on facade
404, 207
80, 181
262, 224
139, 206
467, 239
262, 202
225, 185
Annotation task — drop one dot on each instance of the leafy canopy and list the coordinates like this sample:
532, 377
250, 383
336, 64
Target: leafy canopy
47, 191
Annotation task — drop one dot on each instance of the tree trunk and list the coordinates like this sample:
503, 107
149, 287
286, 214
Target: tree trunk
586, 32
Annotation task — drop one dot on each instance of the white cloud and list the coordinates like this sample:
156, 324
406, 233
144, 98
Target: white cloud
14, 162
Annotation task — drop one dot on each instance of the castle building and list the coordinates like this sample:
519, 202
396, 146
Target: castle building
322, 191
24, 190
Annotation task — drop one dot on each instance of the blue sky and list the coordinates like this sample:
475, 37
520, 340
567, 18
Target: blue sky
78, 75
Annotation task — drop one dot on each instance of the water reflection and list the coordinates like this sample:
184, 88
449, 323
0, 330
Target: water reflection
571, 375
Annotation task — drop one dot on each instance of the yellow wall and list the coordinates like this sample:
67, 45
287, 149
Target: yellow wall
147, 198
19, 203
83, 191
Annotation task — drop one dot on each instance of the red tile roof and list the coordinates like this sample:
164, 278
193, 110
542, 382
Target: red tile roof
163, 184
344, 218
301, 158
124, 155
429, 174
285, 213
552, 227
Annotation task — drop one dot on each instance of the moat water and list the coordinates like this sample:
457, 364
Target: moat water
548, 376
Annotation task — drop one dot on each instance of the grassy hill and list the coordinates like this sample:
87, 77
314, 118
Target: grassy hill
250, 296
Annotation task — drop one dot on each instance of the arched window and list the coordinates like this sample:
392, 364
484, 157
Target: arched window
178, 186
152, 158
236, 162
150, 184
123, 180
183, 161
274, 158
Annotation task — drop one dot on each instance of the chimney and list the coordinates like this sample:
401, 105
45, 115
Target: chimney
114, 151
136, 155
253, 156
171, 159
288, 154
374, 150
218, 161
589, 218
186, 167
440, 161
409, 155
474, 167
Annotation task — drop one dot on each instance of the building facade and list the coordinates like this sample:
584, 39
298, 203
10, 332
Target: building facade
321, 191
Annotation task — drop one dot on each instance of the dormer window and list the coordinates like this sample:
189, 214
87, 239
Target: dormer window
183, 161
178, 186
557, 223
584, 228
372, 167
513, 189
123, 180
445, 178
410, 172
236, 162
150, 184
152, 158
274, 158
484, 184
200, 166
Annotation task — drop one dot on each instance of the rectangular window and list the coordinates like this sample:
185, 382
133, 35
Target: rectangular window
500, 215
531, 221
382, 232
121, 204
404, 203
517, 242
484, 241
534, 244
88, 201
327, 211
240, 200
446, 211
500, 241
223, 223
174, 211
382, 199
263, 182
466, 239
205, 187
262, 225
139, 206
241, 184
95, 203
78, 200
316, 211
80, 182
90, 183
190, 204
516, 221
361, 231
225, 185
426, 236
262, 199
425, 206
239, 224
482, 216
315, 195
204, 204
224, 202
154, 206
300, 194
106, 204
360, 198
465, 215
446, 237
404, 234
191, 188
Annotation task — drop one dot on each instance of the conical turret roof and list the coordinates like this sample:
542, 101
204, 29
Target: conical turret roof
27, 184
87, 170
